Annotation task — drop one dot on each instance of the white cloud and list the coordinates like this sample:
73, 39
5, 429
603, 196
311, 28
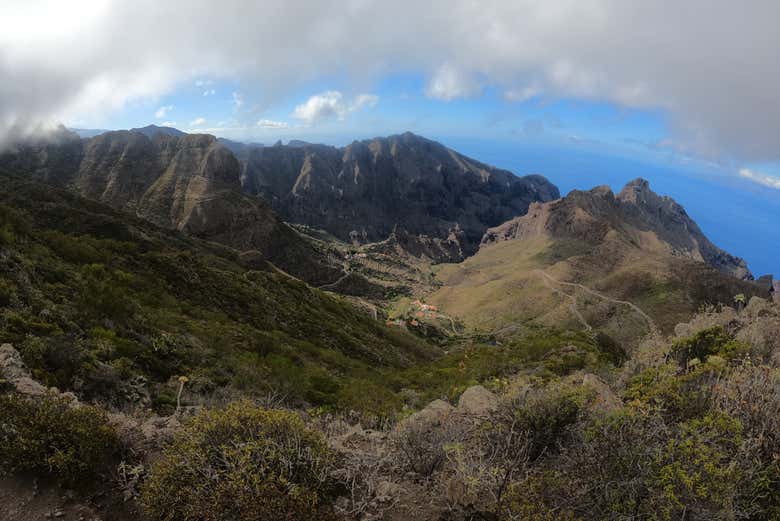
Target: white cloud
758, 177
320, 107
450, 82
238, 100
712, 64
163, 111
197, 122
331, 104
267, 123
168, 123
364, 101
209, 92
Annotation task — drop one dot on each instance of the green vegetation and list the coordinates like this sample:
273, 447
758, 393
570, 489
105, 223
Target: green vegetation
546, 353
92, 298
691, 442
47, 437
242, 463
96, 298
562, 250
704, 344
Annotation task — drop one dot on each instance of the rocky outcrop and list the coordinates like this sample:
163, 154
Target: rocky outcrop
664, 216
477, 401
403, 243
433, 415
364, 191
14, 372
637, 214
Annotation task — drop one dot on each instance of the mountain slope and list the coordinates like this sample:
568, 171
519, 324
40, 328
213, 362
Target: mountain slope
634, 213
364, 191
185, 182
94, 298
632, 250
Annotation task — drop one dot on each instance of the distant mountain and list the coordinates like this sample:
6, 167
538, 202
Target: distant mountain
151, 131
88, 132
237, 147
637, 214
368, 189
186, 182
581, 259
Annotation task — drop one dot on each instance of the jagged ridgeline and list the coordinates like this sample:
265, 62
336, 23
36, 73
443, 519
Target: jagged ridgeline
364, 191
184, 182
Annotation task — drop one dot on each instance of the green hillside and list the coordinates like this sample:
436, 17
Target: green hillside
93, 298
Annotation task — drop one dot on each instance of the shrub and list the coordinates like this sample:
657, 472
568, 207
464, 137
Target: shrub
421, 442
7, 292
696, 475
495, 456
45, 436
242, 463
712, 341
678, 396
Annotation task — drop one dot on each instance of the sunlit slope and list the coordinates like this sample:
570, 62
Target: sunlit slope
577, 263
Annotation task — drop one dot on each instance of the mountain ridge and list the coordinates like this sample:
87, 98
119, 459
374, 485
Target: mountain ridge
188, 183
591, 215
362, 192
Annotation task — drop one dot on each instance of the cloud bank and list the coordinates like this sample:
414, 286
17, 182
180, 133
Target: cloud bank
758, 177
711, 64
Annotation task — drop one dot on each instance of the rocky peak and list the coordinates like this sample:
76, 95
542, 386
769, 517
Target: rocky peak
364, 190
591, 215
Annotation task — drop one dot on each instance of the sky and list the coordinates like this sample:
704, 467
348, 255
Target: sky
584, 92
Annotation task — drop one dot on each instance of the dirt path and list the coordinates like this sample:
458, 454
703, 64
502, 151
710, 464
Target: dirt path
452, 322
547, 279
573, 299
334, 284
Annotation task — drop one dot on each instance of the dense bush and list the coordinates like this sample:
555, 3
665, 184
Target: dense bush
45, 436
493, 456
242, 463
700, 346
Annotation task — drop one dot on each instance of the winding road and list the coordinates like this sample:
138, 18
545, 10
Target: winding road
547, 278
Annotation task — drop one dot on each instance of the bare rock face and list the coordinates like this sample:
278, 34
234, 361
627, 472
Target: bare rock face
362, 192
635, 213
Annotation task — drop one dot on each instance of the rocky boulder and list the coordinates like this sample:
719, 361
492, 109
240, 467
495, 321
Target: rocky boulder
477, 401
435, 413
13, 370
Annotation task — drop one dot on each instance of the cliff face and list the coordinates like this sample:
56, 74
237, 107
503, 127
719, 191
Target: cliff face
189, 183
637, 215
364, 191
